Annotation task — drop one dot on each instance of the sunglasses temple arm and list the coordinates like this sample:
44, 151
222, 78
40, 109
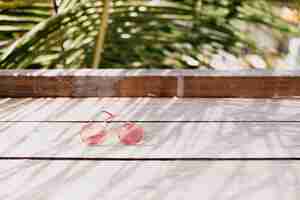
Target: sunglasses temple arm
110, 115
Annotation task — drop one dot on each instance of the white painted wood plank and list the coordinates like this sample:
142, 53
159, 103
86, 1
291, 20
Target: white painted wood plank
150, 109
175, 140
56, 180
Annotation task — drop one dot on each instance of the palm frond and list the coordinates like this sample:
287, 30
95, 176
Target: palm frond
18, 17
142, 33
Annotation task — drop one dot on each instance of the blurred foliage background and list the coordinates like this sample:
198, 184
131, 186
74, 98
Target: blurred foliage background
147, 33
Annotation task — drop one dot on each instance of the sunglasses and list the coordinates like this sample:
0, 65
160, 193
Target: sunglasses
128, 133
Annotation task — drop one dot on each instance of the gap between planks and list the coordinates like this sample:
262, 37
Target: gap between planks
279, 159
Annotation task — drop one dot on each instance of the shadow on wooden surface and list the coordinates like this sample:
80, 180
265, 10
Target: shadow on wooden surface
219, 149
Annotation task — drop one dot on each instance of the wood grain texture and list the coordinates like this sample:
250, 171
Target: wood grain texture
149, 83
162, 140
48, 128
149, 109
258, 87
51, 180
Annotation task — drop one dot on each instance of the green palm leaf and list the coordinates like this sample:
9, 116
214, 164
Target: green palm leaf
141, 33
18, 17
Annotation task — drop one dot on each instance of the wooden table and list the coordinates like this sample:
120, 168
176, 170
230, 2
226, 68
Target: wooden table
193, 149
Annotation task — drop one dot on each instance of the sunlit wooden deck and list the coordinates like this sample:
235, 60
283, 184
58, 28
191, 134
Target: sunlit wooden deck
204, 148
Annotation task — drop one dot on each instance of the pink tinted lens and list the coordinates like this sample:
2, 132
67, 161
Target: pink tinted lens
131, 134
95, 139
98, 137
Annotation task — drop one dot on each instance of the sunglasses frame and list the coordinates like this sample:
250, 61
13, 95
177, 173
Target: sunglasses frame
94, 139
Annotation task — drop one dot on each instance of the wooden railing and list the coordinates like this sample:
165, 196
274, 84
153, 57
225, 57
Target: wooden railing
149, 83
